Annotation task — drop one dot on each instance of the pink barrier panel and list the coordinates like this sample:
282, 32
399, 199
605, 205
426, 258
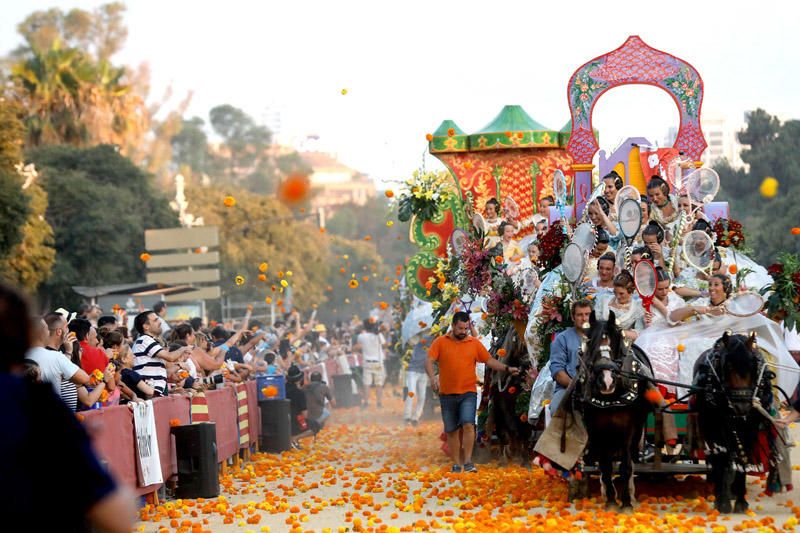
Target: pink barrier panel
253, 412
112, 434
166, 409
222, 409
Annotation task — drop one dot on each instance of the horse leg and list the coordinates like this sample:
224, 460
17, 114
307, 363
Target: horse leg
722, 470
626, 476
740, 492
607, 489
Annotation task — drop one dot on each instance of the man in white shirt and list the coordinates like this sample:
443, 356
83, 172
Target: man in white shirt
160, 309
370, 344
50, 333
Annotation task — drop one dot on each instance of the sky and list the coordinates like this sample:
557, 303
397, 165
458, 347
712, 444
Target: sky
409, 65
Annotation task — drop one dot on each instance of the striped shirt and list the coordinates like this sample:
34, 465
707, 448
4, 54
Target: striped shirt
69, 395
145, 361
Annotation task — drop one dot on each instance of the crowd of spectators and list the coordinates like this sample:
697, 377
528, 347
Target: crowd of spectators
92, 360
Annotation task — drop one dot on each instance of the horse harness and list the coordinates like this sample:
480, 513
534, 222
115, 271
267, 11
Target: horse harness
629, 385
722, 397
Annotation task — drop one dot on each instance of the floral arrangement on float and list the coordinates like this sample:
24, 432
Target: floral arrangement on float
424, 195
551, 247
729, 233
505, 305
783, 300
472, 272
554, 317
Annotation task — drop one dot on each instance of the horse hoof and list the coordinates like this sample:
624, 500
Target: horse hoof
612, 506
626, 508
741, 506
723, 506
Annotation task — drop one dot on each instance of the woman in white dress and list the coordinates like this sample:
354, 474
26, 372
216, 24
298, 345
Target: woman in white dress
663, 356
627, 310
603, 284
699, 325
663, 206
491, 216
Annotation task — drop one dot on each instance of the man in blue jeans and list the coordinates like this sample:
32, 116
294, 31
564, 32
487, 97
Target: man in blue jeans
457, 354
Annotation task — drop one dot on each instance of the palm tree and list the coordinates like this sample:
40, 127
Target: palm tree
53, 82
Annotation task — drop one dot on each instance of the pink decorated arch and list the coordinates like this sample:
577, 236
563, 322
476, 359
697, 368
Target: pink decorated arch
633, 63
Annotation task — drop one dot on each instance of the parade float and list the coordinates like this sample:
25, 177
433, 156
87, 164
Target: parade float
503, 172
514, 160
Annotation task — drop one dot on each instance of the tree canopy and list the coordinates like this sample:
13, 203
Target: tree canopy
14, 204
772, 150
100, 203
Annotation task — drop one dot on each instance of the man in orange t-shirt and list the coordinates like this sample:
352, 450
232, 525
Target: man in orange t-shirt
457, 354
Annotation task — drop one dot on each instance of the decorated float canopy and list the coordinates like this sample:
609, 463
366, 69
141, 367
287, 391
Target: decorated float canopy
513, 156
516, 157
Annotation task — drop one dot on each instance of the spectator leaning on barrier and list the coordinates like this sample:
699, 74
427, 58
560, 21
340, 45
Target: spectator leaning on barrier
48, 459
92, 357
302, 426
149, 356
317, 392
132, 380
50, 334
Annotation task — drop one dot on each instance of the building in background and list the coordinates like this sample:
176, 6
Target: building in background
721, 136
335, 184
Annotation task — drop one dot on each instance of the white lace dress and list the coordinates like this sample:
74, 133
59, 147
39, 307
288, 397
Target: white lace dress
700, 333
630, 316
664, 355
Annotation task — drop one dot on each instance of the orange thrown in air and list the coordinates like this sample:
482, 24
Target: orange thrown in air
294, 189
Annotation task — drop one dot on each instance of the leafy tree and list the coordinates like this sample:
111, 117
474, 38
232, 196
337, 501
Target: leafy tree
190, 146
246, 145
100, 203
51, 81
101, 32
74, 94
773, 149
31, 261
13, 202
13, 211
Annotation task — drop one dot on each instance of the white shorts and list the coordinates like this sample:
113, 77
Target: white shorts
374, 374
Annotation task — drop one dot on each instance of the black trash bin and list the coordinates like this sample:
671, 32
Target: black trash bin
343, 390
276, 426
196, 452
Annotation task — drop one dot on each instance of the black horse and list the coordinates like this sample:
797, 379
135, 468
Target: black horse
732, 374
610, 393
513, 433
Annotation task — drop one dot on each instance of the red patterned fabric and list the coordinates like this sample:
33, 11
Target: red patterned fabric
664, 155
